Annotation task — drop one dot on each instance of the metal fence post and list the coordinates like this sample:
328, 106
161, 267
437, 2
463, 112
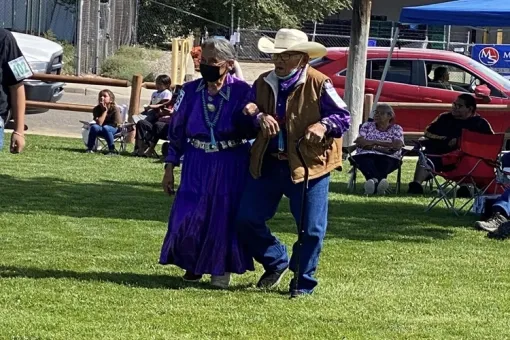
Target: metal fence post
79, 30
448, 37
27, 15
98, 28
39, 18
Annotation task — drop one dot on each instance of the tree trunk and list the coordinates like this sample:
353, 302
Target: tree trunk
355, 82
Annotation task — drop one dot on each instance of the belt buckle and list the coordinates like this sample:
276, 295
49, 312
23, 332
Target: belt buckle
211, 148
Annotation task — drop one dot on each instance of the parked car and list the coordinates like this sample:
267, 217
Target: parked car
43, 56
409, 80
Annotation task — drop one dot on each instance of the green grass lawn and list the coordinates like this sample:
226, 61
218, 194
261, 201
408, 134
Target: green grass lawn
80, 237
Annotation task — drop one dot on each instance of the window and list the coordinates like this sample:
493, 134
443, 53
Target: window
459, 79
400, 71
344, 72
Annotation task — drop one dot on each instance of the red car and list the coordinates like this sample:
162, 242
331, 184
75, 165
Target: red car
410, 80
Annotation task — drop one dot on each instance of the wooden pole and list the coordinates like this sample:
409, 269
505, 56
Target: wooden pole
485, 38
80, 80
60, 106
134, 103
355, 88
499, 37
134, 100
367, 106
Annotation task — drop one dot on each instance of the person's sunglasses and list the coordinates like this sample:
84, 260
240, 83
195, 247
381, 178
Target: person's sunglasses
282, 56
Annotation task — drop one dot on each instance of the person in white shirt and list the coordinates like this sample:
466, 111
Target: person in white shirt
154, 111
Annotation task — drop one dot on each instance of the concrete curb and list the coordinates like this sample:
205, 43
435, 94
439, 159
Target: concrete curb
71, 89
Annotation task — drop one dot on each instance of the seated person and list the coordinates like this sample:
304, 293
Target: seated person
160, 128
443, 134
160, 98
442, 77
107, 122
500, 216
379, 149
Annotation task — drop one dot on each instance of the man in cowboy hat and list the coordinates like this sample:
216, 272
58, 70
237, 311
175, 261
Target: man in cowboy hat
290, 102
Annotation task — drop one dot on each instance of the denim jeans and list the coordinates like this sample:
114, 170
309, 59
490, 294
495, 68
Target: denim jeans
105, 131
260, 203
503, 203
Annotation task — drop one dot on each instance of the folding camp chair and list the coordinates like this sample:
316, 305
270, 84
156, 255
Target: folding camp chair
351, 184
119, 138
350, 152
474, 164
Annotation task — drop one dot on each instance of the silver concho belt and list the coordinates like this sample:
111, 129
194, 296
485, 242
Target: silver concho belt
220, 145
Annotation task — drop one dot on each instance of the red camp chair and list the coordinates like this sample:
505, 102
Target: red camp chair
474, 164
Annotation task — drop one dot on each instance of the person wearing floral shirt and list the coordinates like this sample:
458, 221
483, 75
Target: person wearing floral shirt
379, 149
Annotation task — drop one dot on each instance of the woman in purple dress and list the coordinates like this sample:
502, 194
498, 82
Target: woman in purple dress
210, 130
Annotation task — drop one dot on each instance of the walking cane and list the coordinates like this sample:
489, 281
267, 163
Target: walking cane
302, 220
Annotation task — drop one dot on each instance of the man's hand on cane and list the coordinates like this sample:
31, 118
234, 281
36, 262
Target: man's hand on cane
316, 133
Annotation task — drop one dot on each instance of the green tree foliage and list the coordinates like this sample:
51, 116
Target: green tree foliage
158, 22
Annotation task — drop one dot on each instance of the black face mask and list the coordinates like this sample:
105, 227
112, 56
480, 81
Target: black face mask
210, 73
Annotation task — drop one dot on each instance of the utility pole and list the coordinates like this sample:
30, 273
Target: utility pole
232, 18
355, 82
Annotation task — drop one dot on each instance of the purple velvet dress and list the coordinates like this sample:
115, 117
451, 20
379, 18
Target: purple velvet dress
201, 235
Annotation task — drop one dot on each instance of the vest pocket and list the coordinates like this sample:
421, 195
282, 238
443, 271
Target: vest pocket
314, 154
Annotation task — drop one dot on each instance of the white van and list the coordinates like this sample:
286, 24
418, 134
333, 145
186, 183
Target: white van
44, 56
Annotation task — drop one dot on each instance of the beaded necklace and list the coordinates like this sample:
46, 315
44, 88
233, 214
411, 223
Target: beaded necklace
209, 123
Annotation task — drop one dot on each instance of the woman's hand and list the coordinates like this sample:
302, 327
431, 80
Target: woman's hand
363, 143
168, 180
102, 105
251, 109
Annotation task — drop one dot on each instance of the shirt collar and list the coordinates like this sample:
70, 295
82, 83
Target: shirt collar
225, 89
289, 83
273, 80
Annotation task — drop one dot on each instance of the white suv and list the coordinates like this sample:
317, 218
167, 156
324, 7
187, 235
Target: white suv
44, 56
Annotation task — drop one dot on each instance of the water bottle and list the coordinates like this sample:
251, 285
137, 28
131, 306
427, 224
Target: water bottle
2, 130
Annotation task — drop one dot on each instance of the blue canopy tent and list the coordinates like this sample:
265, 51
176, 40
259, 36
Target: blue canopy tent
480, 13
472, 13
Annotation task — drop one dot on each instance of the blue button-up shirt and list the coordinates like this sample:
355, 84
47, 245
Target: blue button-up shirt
333, 110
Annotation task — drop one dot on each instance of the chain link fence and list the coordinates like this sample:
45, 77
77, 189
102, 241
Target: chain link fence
105, 27
440, 39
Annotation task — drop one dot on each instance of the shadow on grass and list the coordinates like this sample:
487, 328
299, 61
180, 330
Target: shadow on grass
355, 218
149, 281
104, 199
158, 160
381, 219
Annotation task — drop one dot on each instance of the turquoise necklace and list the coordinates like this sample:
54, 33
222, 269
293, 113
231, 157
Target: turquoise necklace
211, 108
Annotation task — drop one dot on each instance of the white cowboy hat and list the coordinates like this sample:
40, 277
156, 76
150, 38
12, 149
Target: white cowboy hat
291, 40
